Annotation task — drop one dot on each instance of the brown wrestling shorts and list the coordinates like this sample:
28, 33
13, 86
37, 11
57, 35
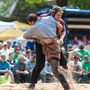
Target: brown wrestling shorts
51, 50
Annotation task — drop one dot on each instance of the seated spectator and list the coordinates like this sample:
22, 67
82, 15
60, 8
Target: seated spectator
76, 69
29, 53
85, 40
70, 55
20, 47
75, 41
30, 64
47, 71
5, 50
78, 55
70, 48
5, 68
9, 47
16, 55
10, 60
83, 52
19, 70
86, 68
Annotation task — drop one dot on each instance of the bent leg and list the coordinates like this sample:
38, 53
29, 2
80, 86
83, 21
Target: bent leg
55, 69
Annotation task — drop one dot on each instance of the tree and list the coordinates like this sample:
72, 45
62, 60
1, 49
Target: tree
61, 3
23, 8
5, 4
82, 4
34, 2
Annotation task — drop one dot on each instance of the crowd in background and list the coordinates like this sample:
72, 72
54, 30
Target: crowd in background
17, 63
77, 41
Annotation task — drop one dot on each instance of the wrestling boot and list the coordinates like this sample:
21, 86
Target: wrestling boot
31, 86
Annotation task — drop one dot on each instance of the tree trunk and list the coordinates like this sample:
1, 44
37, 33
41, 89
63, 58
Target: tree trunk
61, 2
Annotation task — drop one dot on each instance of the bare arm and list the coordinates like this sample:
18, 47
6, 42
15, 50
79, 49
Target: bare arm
29, 70
20, 72
3, 70
59, 27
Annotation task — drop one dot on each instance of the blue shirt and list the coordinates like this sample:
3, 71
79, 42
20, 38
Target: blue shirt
4, 66
45, 27
47, 69
30, 65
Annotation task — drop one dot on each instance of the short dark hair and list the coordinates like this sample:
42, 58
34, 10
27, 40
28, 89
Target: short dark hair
16, 50
32, 17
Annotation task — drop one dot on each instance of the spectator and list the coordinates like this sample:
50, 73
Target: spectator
78, 55
47, 71
70, 48
75, 41
5, 50
16, 55
70, 55
21, 49
20, 71
85, 40
76, 69
30, 64
29, 53
10, 60
86, 68
82, 51
5, 68
9, 47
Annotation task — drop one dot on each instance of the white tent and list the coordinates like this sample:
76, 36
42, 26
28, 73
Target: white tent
6, 26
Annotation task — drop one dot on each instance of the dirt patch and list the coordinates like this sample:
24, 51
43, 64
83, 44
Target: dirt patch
42, 86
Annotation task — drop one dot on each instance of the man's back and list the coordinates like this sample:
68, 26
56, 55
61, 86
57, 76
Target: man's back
45, 27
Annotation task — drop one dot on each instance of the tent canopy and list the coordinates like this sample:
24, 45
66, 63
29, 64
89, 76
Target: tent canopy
12, 30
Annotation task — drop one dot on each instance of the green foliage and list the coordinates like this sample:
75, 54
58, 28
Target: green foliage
34, 2
24, 7
6, 4
82, 4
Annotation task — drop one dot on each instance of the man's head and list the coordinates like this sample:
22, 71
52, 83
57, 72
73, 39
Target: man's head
78, 55
32, 18
22, 58
10, 55
20, 43
86, 58
75, 60
70, 48
3, 59
9, 44
29, 53
17, 52
5, 45
57, 12
81, 47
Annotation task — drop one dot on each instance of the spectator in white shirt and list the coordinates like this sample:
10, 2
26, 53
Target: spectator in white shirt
76, 67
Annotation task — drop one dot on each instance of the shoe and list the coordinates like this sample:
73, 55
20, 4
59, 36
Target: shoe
31, 86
